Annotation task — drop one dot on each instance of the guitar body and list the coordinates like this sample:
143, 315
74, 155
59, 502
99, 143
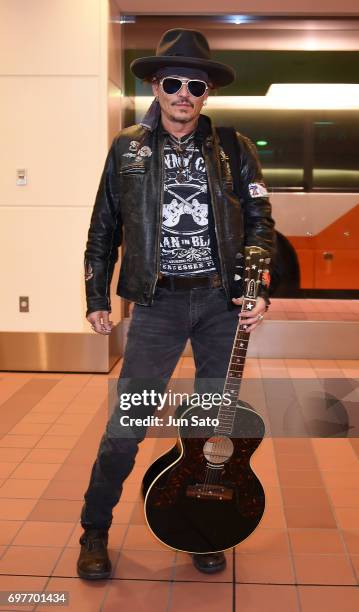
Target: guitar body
202, 496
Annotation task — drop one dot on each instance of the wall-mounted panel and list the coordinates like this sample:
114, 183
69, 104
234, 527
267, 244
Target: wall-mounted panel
52, 127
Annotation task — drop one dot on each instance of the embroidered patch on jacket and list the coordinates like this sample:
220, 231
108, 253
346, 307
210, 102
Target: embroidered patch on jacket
266, 278
136, 152
134, 144
88, 271
258, 190
227, 169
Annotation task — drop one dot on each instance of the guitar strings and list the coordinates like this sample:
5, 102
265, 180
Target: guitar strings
239, 336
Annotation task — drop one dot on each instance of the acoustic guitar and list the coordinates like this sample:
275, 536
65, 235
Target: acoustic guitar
202, 495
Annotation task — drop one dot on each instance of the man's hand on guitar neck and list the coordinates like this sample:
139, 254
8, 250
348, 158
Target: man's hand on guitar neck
254, 317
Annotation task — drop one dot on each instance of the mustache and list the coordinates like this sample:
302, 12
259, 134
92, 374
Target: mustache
181, 102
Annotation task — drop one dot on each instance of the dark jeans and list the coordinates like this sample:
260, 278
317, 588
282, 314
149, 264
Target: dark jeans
156, 339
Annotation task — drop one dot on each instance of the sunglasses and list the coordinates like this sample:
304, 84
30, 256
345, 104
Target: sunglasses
172, 85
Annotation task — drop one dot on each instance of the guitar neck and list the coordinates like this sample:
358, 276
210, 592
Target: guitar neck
255, 259
232, 384
239, 351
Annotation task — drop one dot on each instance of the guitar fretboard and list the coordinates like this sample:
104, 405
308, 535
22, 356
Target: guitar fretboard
227, 410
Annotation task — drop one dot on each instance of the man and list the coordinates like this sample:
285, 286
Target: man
167, 183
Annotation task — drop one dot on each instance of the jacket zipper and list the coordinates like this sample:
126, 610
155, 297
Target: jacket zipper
215, 225
159, 223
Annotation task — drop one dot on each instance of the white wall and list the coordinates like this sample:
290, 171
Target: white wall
53, 122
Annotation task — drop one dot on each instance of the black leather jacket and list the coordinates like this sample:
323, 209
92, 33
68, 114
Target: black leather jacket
129, 203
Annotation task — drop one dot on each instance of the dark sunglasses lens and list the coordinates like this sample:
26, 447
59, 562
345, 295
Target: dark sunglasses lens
196, 88
171, 86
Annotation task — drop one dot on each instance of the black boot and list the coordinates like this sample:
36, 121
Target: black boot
93, 562
210, 563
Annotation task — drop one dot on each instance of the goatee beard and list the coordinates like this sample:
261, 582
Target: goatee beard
183, 121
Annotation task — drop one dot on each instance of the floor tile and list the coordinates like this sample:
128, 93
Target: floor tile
29, 428
23, 584
296, 461
40, 533
29, 560
355, 562
85, 596
318, 516
323, 541
131, 492
13, 454
138, 595
347, 517
344, 498
6, 469
139, 537
351, 538
292, 445
60, 429
323, 569
329, 599
265, 540
266, 598
21, 488
274, 497
61, 442
42, 471
300, 478
122, 513
273, 517
145, 565
16, 509
56, 510
341, 478
305, 496
8, 530
60, 489
265, 568
138, 514
72, 472
41, 455
39, 417
209, 597
14, 441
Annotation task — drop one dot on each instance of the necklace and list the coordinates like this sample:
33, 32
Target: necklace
180, 146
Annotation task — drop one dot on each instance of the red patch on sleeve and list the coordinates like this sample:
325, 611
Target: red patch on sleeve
266, 278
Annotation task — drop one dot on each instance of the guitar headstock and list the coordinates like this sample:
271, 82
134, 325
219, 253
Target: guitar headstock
256, 271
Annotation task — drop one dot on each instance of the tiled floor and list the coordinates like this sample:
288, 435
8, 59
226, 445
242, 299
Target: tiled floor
303, 556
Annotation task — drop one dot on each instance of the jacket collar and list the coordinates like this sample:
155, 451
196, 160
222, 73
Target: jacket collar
203, 129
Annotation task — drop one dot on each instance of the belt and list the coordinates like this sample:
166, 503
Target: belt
183, 283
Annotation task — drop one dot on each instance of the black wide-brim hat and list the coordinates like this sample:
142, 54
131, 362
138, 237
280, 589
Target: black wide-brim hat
187, 48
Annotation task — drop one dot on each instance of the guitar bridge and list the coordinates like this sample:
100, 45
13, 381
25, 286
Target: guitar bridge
207, 491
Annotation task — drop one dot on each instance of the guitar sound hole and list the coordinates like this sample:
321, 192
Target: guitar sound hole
218, 449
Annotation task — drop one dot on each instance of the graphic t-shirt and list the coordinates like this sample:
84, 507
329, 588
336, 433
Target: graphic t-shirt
185, 241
